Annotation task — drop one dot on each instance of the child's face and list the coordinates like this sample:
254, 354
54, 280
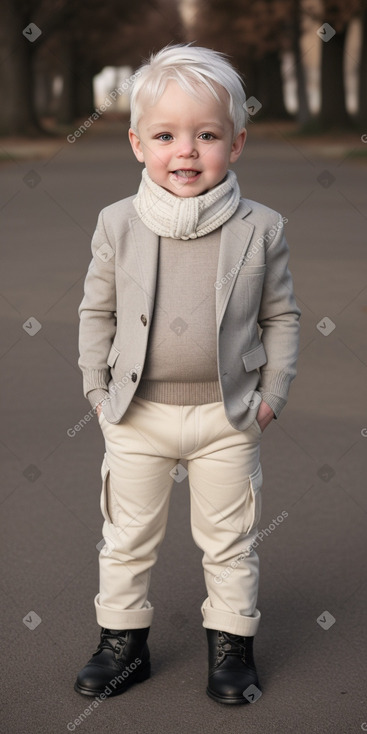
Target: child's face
179, 133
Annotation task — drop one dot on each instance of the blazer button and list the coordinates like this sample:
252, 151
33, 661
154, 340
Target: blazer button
144, 319
134, 376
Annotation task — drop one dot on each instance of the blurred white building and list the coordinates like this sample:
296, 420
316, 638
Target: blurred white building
111, 78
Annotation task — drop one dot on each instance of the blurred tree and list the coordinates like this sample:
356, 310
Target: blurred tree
77, 40
111, 33
257, 33
334, 17
254, 34
362, 78
19, 41
333, 111
297, 20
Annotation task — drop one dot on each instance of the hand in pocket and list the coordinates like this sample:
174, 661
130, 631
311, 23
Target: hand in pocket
264, 415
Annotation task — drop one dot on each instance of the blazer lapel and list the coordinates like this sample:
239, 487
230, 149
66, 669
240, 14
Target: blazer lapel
235, 239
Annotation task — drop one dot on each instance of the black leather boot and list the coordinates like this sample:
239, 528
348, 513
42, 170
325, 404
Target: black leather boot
231, 668
122, 659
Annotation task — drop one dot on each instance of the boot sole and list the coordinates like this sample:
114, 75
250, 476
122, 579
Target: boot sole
230, 701
140, 676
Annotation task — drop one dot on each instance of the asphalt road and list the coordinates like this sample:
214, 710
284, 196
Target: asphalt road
311, 646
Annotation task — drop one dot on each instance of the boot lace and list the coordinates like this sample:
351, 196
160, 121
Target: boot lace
118, 645
229, 644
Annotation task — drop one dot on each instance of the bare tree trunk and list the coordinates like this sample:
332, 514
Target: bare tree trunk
303, 112
43, 93
67, 111
84, 90
270, 87
247, 68
333, 112
362, 80
17, 112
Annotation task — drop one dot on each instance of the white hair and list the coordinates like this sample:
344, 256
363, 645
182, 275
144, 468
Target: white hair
189, 66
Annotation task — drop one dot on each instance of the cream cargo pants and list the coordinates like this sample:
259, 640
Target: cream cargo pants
139, 468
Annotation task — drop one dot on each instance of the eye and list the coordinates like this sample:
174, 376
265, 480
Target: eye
164, 137
209, 136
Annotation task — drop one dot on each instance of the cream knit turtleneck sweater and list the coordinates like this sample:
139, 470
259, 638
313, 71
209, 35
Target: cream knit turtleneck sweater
190, 217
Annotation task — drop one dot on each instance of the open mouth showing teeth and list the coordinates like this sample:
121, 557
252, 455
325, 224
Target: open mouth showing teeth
187, 174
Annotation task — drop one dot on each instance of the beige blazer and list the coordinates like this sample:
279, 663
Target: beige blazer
256, 313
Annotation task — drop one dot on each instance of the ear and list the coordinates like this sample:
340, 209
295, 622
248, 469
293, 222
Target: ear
237, 145
136, 145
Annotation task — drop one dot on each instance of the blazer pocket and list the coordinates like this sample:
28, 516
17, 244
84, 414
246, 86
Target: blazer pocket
112, 356
253, 269
254, 358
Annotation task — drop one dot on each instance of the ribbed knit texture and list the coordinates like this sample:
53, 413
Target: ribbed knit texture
184, 218
181, 364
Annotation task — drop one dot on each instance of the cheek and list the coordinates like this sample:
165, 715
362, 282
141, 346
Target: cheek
220, 156
157, 157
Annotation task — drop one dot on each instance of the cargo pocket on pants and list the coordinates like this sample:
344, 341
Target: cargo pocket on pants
108, 529
253, 502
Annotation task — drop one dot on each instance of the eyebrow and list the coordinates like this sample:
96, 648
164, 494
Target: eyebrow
169, 124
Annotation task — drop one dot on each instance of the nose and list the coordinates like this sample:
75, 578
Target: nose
186, 148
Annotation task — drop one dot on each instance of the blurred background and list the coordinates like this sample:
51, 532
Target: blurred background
304, 60
65, 67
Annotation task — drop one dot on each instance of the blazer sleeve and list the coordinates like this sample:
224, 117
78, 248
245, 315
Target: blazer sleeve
97, 313
279, 320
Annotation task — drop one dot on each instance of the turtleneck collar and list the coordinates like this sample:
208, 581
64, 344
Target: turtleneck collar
186, 217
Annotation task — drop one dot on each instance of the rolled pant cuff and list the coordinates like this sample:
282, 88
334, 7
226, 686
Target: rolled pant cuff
125, 619
235, 624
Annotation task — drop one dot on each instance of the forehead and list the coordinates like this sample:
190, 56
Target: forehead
178, 105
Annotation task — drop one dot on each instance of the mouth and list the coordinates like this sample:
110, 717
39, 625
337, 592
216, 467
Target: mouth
186, 174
